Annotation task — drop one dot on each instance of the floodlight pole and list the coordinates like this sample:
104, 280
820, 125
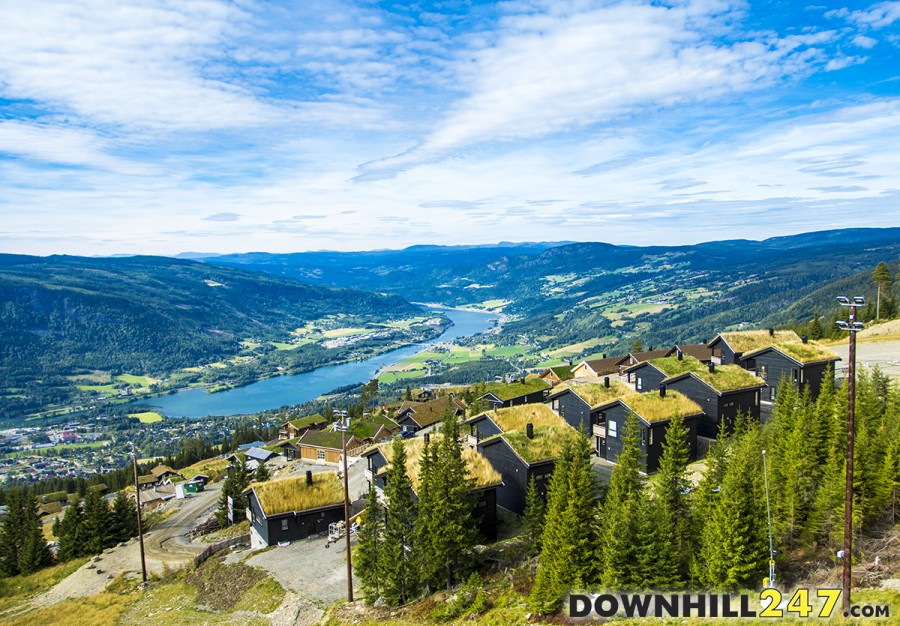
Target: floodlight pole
771, 584
346, 508
853, 327
140, 529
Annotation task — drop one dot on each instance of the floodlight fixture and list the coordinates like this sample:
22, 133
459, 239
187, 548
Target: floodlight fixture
859, 301
843, 325
844, 300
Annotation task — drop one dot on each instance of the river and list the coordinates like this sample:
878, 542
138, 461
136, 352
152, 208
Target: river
272, 393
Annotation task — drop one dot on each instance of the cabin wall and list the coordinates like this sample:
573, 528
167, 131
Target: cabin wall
573, 409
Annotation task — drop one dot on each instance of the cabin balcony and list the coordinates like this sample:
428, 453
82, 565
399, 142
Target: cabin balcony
599, 430
368, 475
472, 440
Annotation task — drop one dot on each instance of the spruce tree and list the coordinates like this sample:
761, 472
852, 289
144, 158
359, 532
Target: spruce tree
581, 509
669, 514
33, 550
535, 511
398, 583
11, 533
97, 526
124, 517
429, 517
71, 533
366, 562
262, 473
618, 538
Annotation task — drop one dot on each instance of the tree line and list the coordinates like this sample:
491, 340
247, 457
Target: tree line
661, 535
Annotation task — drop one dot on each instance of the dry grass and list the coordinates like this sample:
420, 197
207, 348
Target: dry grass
293, 494
596, 394
724, 378
807, 352
514, 390
653, 408
516, 417
749, 340
546, 445
477, 466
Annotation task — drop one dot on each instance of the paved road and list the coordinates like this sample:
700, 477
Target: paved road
884, 354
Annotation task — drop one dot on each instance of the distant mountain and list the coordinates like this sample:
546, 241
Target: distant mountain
575, 292
66, 316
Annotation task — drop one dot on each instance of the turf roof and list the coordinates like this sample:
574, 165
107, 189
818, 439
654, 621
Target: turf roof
516, 417
653, 408
546, 444
723, 378
749, 340
477, 466
596, 394
309, 420
293, 494
508, 391
806, 352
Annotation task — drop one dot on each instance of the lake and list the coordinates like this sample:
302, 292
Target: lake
288, 390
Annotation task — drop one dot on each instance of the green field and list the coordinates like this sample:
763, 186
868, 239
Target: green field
147, 417
392, 377
336, 333
279, 345
141, 381
97, 388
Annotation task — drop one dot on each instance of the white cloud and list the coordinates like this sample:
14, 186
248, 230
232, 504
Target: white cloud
563, 70
842, 62
864, 42
877, 16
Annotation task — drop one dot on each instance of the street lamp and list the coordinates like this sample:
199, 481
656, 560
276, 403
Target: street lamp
140, 529
853, 327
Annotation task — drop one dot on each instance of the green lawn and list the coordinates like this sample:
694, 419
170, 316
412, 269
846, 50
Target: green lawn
97, 388
142, 381
279, 345
147, 417
336, 333
392, 377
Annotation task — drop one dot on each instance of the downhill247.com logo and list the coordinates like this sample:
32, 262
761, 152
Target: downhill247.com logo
803, 603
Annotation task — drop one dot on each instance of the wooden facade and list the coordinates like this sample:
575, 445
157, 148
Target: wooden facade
774, 367
290, 526
651, 435
516, 474
720, 408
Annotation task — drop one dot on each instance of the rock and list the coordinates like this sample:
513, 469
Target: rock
95, 559
91, 566
99, 571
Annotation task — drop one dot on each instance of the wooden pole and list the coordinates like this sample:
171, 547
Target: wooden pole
847, 575
137, 499
347, 509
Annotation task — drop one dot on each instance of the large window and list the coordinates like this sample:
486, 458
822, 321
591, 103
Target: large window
320, 455
612, 429
763, 371
640, 383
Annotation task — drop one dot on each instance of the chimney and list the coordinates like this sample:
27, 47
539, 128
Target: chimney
529, 430
606, 381
604, 355
680, 354
712, 368
804, 338
570, 362
662, 390
308, 478
651, 349
771, 332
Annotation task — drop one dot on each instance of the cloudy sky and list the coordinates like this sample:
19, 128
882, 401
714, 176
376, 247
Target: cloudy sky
163, 126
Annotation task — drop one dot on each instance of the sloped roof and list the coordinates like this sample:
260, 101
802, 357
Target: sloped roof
326, 439
609, 365
646, 355
723, 378
430, 412
285, 495
259, 454
804, 353
508, 391
516, 417
750, 340
162, 470
699, 351
562, 372
546, 445
651, 407
595, 394
477, 466
310, 420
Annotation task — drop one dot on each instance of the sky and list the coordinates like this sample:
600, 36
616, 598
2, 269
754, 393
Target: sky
165, 126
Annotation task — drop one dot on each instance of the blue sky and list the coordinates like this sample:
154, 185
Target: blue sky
157, 127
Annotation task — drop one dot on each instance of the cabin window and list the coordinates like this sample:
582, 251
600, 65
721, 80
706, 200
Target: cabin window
555, 405
640, 383
801, 376
651, 437
763, 371
562, 410
795, 375
612, 429
320, 455
756, 400
284, 524
772, 391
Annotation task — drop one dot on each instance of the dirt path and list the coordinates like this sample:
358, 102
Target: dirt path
165, 545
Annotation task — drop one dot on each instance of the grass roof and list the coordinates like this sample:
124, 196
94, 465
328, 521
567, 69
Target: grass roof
545, 446
325, 439
723, 378
293, 494
508, 391
806, 352
477, 466
653, 408
309, 420
749, 340
563, 372
515, 417
596, 394
432, 411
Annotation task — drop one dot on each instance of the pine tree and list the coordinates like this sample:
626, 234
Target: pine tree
429, 517
453, 545
882, 278
535, 512
816, 331
97, 528
669, 537
398, 581
581, 509
618, 538
368, 547
71, 533
124, 517
11, 533
236, 481
33, 550
262, 473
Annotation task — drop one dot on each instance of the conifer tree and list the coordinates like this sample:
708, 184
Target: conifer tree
34, 553
669, 536
96, 523
236, 481
428, 517
618, 538
262, 473
124, 517
581, 509
535, 510
368, 547
549, 587
736, 536
882, 278
398, 582
71, 533
11, 533
453, 545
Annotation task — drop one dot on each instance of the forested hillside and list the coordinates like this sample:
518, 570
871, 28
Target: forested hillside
70, 316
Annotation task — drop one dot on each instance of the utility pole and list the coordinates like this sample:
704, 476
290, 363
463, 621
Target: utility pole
853, 327
346, 508
771, 580
137, 499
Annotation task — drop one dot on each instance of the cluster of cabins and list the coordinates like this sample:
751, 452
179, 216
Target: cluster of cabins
520, 437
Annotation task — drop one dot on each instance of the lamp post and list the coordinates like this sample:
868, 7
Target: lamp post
852, 326
140, 529
346, 507
771, 580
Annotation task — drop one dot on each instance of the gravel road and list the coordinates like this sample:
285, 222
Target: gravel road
884, 354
